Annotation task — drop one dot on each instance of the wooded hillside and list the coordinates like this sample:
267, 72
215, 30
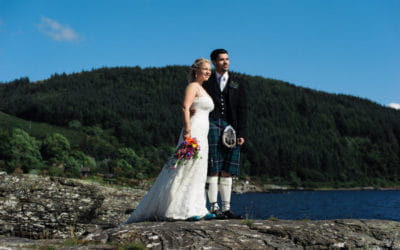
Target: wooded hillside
296, 135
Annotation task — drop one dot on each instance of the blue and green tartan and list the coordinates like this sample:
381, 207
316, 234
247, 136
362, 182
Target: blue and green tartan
219, 156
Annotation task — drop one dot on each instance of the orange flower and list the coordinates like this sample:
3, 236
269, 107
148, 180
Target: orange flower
191, 140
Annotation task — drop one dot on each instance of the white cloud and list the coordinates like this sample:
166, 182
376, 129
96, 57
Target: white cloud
394, 105
57, 31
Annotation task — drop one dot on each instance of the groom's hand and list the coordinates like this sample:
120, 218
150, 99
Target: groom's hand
240, 141
192, 112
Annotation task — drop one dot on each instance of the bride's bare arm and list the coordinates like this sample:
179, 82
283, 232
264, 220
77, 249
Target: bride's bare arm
190, 94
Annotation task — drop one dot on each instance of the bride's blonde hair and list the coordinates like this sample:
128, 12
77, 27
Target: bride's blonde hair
195, 66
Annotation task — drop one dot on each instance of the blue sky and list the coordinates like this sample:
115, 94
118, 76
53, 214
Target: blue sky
338, 46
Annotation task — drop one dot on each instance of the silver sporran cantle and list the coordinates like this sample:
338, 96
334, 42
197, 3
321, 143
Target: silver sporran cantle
229, 137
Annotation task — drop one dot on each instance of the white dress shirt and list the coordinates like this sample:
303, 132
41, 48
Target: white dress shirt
222, 79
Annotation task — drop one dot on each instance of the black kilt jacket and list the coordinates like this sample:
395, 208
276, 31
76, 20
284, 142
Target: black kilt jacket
236, 113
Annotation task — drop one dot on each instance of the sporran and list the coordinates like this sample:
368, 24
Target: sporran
229, 137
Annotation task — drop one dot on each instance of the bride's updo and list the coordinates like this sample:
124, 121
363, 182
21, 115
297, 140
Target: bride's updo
196, 66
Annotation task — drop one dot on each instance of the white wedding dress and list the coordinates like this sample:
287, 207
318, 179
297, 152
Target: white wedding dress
178, 194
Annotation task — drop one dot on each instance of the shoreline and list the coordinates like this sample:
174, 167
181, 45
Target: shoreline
246, 187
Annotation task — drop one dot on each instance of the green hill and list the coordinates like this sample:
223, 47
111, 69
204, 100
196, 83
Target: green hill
296, 135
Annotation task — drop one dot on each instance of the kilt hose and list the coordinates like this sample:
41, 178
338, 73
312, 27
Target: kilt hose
219, 156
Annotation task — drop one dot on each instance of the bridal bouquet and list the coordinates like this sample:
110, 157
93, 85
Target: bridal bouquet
188, 149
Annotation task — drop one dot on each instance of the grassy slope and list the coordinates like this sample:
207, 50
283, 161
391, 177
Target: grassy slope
39, 130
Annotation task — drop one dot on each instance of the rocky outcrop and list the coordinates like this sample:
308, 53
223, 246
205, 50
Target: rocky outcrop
72, 214
234, 234
37, 207
241, 187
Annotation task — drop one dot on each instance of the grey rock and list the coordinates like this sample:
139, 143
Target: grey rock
241, 187
235, 234
39, 207
244, 234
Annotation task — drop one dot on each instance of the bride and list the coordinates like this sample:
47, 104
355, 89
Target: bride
179, 193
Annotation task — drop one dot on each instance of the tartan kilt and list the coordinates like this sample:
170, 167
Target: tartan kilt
219, 156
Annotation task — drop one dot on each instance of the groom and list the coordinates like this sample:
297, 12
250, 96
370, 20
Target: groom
230, 109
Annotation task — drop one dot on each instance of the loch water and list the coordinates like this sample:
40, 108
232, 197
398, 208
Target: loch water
319, 205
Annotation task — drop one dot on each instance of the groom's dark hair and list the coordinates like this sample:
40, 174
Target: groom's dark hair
214, 54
